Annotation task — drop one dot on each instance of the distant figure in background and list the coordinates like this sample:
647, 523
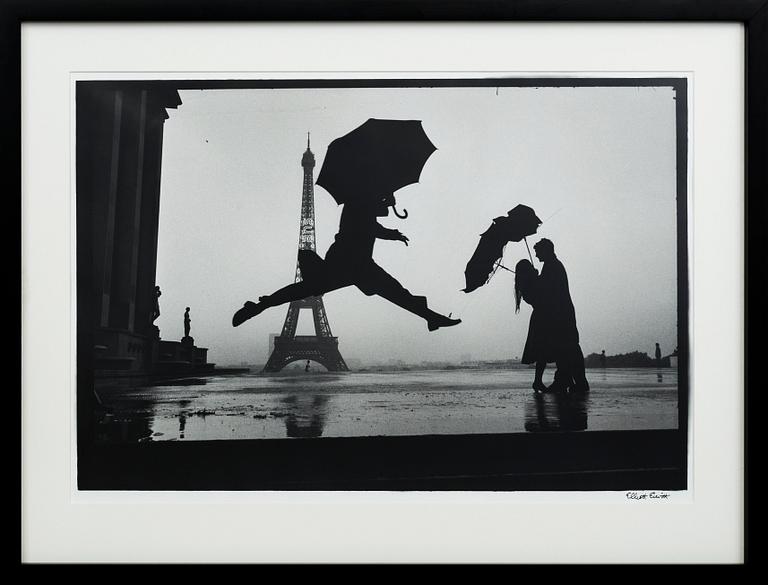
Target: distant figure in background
602, 359
658, 355
156, 306
306, 367
187, 321
536, 351
558, 320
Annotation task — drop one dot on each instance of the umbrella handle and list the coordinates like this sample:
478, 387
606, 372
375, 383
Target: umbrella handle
529, 250
405, 213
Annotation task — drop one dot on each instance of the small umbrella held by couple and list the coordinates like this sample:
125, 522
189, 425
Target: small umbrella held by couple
520, 221
362, 170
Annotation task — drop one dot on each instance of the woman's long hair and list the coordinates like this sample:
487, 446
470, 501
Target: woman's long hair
524, 275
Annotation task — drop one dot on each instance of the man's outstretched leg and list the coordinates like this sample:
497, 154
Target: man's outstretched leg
377, 281
292, 292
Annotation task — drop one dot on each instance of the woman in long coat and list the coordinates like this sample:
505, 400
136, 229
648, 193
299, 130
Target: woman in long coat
536, 345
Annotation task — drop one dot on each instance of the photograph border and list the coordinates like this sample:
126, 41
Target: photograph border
647, 459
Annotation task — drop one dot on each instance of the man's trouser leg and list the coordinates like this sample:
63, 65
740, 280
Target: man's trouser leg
564, 372
307, 288
577, 367
377, 281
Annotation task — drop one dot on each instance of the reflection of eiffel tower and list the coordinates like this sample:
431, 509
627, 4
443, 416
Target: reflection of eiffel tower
321, 347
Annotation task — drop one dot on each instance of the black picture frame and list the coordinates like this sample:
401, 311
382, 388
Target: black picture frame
752, 14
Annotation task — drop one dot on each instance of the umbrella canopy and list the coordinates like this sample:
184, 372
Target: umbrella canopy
520, 221
377, 158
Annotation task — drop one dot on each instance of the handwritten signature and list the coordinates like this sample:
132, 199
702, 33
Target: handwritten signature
647, 495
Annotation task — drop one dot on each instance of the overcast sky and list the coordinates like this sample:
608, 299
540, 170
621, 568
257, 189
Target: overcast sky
597, 165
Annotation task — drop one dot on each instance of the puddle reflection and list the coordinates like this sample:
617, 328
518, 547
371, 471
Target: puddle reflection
124, 426
305, 415
558, 411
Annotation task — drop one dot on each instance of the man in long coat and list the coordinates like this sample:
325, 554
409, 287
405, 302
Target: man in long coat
558, 321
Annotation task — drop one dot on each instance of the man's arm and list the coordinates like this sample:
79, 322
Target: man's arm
388, 234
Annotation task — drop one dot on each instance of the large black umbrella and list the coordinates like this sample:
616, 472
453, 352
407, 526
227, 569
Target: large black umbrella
520, 221
377, 158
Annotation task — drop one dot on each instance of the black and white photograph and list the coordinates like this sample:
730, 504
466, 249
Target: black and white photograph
464, 283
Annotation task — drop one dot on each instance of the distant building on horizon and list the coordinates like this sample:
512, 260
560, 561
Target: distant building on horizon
632, 359
354, 363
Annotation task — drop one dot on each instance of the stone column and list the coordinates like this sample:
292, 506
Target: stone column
148, 234
128, 201
137, 208
109, 216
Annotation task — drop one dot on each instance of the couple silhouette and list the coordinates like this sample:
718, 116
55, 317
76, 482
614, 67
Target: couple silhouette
552, 332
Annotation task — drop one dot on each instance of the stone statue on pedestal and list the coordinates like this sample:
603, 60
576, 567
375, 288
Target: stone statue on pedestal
187, 321
156, 307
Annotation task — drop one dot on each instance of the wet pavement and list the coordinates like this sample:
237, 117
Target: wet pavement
363, 404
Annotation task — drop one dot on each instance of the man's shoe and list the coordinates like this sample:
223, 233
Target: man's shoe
441, 321
250, 309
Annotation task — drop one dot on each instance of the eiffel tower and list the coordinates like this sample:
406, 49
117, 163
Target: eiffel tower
321, 347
